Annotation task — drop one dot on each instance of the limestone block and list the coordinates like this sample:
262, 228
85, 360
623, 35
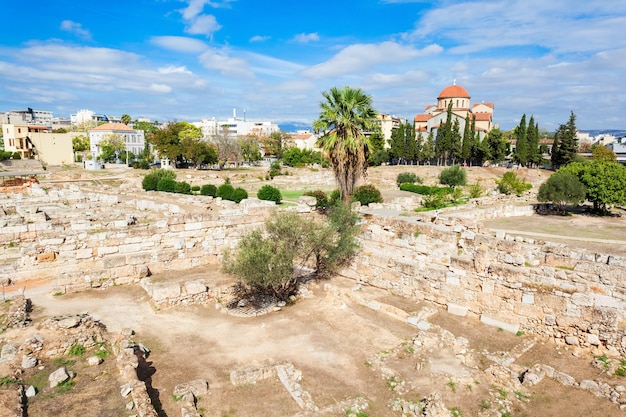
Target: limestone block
571, 340
607, 301
452, 279
528, 298
564, 379
457, 310
106, 250
84, 253
165, 292
195, 287
57, 377
46, 257
490, 321
593, 340
131, 248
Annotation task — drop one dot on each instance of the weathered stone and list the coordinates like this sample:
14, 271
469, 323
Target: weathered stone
593, 339
29, 362
58, 376
457, 310
94, 361
509, 327
571, 340
8, 352
564, 379
69, 322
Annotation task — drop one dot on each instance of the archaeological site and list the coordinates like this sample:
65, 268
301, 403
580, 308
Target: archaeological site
115, 304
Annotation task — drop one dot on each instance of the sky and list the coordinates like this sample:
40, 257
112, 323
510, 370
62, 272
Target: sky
192, 59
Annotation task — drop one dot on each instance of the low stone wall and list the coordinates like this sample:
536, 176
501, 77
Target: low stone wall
81, 239
511, 282
128, 356
178, 293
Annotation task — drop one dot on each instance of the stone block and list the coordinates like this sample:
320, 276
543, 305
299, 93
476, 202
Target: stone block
165, 292
457, 310
452, 279
84, 253
106, 250
490, 321
528, 298
46, 257
195, 287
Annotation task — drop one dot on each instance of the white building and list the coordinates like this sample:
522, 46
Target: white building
134, 139
27, 117
304, 139
87, 117
234, 127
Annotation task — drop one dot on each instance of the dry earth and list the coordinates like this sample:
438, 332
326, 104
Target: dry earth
344, 349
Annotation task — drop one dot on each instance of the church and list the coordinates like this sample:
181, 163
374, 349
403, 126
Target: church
435, 115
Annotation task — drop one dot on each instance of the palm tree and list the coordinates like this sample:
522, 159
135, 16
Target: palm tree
345, 116
125, 119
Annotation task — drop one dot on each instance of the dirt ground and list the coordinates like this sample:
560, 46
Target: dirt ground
344, 349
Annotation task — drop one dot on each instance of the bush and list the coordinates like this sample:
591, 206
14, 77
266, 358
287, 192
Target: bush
182, 188
511, 184
322, 200
475, 190
208, 189
408, 177
366, 194
16, 155
269, 193
379, 157
425, 189
239, 194
151, 180
275, 169
434, 201
195, 188
167, 185
561, 189
453, 176
225, 192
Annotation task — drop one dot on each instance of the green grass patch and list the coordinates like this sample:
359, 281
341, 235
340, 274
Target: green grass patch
77, 350
63, 362
292, 194
7, 381
65, 386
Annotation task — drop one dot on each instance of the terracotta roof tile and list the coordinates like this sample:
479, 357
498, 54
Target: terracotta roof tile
422, 117
114, 126
453, 91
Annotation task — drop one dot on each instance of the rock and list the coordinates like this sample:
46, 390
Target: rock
589, 385
30, 392
94, 361
58, 376
199, 387
69, 322
29, 362
593, 339
130, 405
457, 310
8, 352
571, 340
125, 390
564, 379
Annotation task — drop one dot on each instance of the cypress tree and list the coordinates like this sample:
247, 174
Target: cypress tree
521, 147
466, 151
534, 153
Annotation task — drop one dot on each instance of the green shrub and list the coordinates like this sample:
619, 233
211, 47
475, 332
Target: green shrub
425, 189
453, 176
275, 169
208, 189
367, 194
269, 193
151, 181
182, 187
225, 192
511, 184
167, 185
434, 201
408, 177
475, 190
322, 200
239, 194
195, 188
561, 189
77, 350
16, 155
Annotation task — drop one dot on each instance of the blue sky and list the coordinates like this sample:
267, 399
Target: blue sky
193, 59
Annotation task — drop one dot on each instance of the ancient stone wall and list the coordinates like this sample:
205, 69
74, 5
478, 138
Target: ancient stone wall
82, 239
511, 282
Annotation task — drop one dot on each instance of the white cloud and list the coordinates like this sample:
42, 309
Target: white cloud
205, 24
216, 59
306, 37
179, 43
160, 88
359, 57
171, 69
75, 28
260, 38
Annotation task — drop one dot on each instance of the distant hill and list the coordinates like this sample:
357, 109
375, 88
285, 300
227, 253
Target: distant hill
290, 127
618, 133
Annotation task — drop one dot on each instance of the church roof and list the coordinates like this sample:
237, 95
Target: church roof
114, 126
483, 116
422, 117
453, 91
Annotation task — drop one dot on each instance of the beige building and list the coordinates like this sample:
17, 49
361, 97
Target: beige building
436, 114
387, 123
37, 142
304, 139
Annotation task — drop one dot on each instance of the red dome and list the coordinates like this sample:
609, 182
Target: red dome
453, 91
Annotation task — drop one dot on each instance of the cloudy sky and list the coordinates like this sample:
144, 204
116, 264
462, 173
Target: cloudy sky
193, 59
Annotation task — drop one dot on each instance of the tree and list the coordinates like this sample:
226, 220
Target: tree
126, 119
520, 155
250, 149
345, 116
468, 140
566, 142
428, 150
535, 155
453, 176
228, 149
111, 146
167, 142
444, 138
272, 262
277, 144
80, 143
605, 182
603, 153
561, 189
496, 145
402, 143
